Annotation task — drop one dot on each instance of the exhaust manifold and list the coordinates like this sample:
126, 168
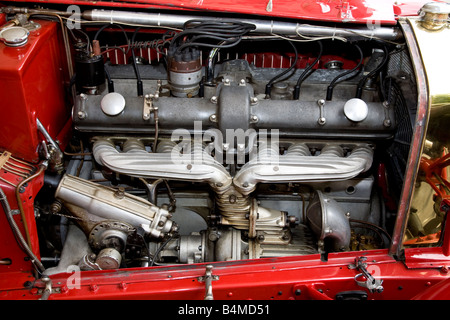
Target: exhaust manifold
298, 165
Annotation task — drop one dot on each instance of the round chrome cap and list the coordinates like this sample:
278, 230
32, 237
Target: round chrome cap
14, 36
356, 110
113, 104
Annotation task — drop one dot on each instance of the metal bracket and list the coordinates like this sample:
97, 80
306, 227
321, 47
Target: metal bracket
47, 136
82, 107
387, 121
374, 285
208, 278
48, 290
321, 119
52, 152
148, 107
148, 102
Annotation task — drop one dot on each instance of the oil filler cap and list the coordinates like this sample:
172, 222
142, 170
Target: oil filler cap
113, 104
14, 36
356, 110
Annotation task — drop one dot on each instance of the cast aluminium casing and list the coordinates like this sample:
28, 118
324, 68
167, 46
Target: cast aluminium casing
109, 203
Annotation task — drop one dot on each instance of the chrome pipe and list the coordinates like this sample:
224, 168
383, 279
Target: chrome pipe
262, 26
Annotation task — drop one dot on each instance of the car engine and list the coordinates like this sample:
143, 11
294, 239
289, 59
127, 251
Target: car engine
216, 139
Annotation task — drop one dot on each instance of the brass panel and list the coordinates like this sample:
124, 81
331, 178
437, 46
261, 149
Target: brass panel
434, 48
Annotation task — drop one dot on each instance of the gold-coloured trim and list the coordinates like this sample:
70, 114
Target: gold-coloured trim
435, 52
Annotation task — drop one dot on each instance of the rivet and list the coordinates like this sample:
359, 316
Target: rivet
93, 287
123, 286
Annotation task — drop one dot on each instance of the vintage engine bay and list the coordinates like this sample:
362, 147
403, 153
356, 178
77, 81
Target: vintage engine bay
201, 139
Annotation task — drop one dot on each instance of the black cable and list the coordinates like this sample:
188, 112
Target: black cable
208, 45
372, 73
269, 84
108, 76
382, 89
306, 73
159, 250
140, 86
73, 80
210, 32
78, 40
110, 82
113, 24
373, 226
375, 230
334, 82
230, 26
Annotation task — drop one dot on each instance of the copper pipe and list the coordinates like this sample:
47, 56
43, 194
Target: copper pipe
8, 182
22, 162
64, 35
18, 167
11, 23
10, 169
21, 241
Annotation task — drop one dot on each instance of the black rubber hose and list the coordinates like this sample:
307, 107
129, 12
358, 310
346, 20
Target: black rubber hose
159, 250
110, 82
140, 86
230, 32
306, 73
335, 80
112, 24
278, 76
372, 73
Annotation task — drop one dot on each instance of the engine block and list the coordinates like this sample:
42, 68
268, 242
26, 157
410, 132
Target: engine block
186, 149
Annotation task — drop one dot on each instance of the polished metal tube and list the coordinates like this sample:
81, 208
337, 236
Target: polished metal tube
262, 26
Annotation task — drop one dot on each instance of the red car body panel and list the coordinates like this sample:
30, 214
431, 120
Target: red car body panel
25, 87
266, 279
422, 274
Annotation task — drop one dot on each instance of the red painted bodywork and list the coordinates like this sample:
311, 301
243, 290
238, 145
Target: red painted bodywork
264, 279
32, 85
